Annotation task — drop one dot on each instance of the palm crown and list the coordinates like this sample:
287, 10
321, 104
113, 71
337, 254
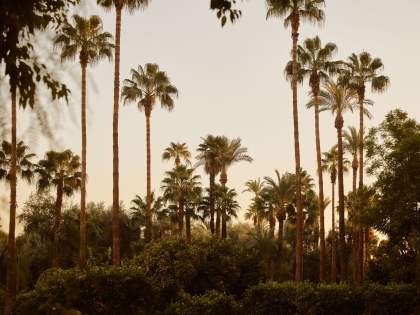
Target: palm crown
352, 141
307, 10
363, 69
177, 151
130, 5
85, 40
147, 84
24, 166
60, 167
179, 184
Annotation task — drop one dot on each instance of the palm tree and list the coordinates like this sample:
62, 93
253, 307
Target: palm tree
62, 171
230, 152
359, 71
180, 186
282, 189
294, 11
86, 41
227, 206
139, 206
14, 160
208, 156
339, 99
177, 151
148, 84
254, 186
130, 6
314, 63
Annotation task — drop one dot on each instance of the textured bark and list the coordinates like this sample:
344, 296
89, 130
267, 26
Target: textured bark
333, 243
148, 231
341, 224
181, 214
11, 240
224, 227
354, 228
272, 224
320, 189
57, 225
188, 228
221, 217
280, 219
361, 95
218, 221
115, 150
299, 221
82, 248
211, 200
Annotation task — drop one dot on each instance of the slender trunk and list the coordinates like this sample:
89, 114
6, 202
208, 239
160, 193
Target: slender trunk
272, 224
224, 226
320, 191
188, 228
11, 241
211, 200
299, 222
280, 233
148, 232
341, 222
354, 227
57, 225
115, 160
82, 248
361, 170
333, 238
218, 223
180, 220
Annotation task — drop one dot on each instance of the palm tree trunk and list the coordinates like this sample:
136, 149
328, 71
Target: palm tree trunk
361, 170
217, 223
272, 224
354, 228
320, 191
299, 223
188, 228
341, 222
57, 225
333, 243
82, 248
280, 234
115, 151
148, 232
180, 220
11, 240
211, 200
224, 227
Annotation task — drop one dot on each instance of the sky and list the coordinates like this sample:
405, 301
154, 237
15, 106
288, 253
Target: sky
230, 82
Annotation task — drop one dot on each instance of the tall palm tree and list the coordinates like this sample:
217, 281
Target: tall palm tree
130, 6
147, 85
208, 156
358, 72
179, 187
230, 152
329, 165
339, 99
15, 160
352, 146
177, 151
314, 63
227, 206
293, 11
62, 171
85, 40
282, 190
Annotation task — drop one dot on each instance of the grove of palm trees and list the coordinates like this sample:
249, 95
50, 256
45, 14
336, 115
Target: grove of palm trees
294, 196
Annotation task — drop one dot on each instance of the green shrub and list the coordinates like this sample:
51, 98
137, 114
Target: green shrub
97, 291
2, 295
323, 299
210, 303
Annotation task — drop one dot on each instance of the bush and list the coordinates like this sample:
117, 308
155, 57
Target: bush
2, 295
97, 291
210, 303
306, 298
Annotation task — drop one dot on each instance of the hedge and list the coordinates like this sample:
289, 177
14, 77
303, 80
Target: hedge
98, 291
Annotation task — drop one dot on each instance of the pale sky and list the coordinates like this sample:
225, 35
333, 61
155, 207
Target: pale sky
231, 83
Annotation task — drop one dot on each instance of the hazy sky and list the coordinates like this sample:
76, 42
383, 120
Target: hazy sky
231, 82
